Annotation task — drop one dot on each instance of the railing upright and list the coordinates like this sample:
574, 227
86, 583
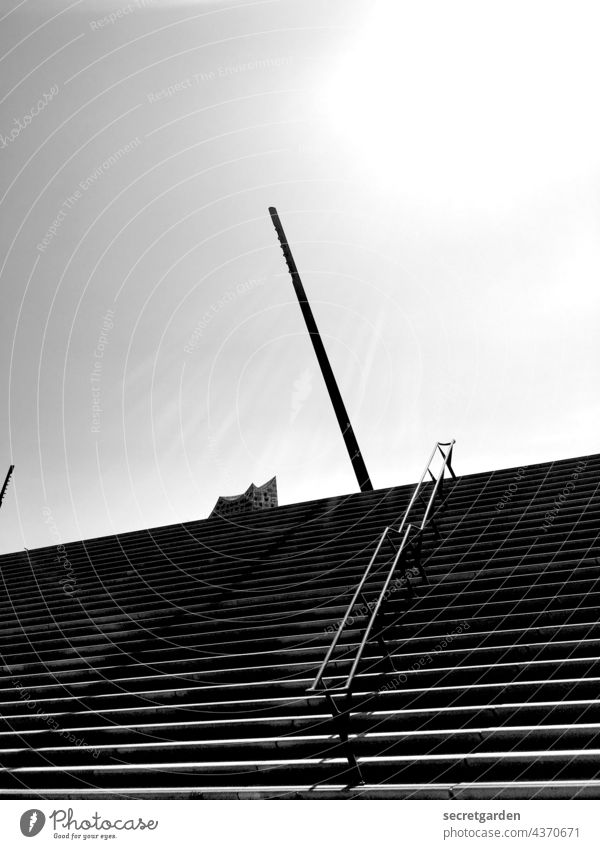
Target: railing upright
439, 482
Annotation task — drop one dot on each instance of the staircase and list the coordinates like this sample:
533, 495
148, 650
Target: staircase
175, 662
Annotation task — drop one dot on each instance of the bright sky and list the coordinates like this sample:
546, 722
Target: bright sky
437, 169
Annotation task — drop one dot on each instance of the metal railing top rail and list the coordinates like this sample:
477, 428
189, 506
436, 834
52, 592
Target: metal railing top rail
447, 462
347, 686
314, 686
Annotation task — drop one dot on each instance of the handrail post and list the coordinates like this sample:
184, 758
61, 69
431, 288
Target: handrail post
341, 720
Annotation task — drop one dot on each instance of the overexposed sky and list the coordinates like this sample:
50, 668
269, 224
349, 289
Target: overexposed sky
437, 169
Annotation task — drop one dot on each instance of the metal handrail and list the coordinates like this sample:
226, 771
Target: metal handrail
447, 458
317, 681
447, 463
348, 685
345, 689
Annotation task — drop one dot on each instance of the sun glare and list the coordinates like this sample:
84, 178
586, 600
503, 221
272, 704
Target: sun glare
466, 102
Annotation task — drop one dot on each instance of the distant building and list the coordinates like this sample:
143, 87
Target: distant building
255, 498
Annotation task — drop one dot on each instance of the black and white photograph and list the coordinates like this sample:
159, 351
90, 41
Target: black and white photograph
300, 422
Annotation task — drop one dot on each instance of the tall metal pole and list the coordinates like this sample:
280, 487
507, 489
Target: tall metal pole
360, 470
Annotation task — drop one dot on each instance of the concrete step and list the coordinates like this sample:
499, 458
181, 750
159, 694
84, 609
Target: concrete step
180, 667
